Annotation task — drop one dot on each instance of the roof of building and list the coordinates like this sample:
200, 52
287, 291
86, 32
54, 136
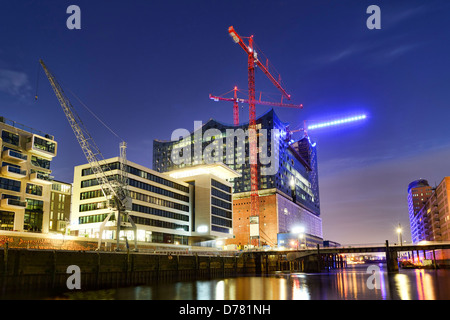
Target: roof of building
418, 184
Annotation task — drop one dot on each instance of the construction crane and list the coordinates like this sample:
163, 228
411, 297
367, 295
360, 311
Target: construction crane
237, 100
252, 62
115, 189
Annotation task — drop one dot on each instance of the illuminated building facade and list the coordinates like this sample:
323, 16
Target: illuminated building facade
212, 211
419, 191
443, 206
430, 213
288, 196
185, 210
25, 180
60, 200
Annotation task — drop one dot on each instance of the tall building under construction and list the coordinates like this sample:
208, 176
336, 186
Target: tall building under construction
289, 206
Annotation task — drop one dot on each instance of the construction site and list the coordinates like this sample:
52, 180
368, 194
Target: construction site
225, 205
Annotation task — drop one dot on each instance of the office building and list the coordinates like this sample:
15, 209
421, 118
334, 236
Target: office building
430, 217
168, 210
287, 178
212, 212
419, 191
25, 177
443, 208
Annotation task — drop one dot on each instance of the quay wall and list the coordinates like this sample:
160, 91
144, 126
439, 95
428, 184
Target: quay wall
28, 269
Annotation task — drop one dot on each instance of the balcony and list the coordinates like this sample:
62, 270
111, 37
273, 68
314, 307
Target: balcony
41, 178
13, 172
11, 155
8, 203
41, 146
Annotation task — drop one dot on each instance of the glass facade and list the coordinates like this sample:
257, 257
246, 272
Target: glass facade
296, 161
34, 189
10, 137
39, 162
9, 184
221, 207
44, 145
159, 199
34, 213
26, 156
6, 220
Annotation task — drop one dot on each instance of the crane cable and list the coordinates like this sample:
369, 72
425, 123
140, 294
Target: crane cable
93, 114
37, 81
79, 100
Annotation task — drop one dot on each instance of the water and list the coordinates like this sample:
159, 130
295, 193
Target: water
347, 284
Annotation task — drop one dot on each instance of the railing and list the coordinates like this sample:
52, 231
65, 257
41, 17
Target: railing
44, 176
23, 127
15, 202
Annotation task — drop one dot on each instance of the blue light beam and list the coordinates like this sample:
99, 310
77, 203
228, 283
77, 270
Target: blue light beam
337, 122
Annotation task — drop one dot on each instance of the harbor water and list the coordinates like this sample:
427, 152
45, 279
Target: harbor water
352, 283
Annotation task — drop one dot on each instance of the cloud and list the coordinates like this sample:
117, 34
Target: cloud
14, 83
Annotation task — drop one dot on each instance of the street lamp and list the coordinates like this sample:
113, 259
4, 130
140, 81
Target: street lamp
399, 233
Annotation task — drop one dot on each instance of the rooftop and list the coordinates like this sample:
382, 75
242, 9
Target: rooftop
218, 169
23, 127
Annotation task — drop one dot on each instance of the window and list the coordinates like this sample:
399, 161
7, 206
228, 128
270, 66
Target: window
44, 145
220, 186
221, 212
10, 138
9, 184
158, 201
140, 173
33, 215
6, 220
34, 189
39, 162
61, 187
220, 203
159, 212
92, 206
221, 222
220, 194
91, 194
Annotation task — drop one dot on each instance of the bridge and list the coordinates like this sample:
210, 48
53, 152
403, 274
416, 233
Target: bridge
315, 260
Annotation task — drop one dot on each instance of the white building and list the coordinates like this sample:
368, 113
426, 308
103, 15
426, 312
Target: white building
165, 209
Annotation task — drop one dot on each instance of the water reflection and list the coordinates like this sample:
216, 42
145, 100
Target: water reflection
347, 284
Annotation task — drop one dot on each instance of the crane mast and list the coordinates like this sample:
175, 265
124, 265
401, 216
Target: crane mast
252, 62
117, 196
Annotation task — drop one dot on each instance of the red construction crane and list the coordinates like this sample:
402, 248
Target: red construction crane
237, 100
253, 62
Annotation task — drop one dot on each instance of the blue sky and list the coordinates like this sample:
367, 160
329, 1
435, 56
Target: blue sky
146, 68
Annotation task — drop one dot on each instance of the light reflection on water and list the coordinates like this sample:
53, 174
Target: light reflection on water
347, 284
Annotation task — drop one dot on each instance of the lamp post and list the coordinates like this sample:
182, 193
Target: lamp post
399, 233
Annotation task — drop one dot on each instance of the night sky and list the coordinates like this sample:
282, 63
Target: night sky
146, 68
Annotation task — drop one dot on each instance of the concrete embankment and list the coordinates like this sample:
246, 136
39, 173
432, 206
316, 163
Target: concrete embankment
23, 269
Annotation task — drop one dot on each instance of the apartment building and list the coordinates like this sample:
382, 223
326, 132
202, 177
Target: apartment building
25, 177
